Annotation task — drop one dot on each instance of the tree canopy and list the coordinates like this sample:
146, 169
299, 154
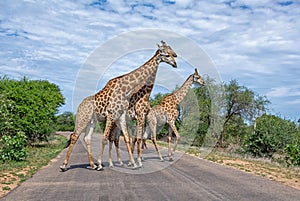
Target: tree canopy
28, 106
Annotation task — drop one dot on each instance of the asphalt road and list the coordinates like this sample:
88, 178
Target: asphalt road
187, 178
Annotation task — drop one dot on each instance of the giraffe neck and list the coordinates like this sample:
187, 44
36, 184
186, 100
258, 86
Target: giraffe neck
183, 90
144, 75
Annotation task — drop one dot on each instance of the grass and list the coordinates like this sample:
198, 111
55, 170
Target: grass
15, 172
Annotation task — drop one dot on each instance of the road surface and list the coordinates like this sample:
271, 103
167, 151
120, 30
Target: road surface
188, 178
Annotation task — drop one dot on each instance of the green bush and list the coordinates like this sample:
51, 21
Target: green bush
271, 135
292, 154
65, 122
30, 107
13, 147
6, 116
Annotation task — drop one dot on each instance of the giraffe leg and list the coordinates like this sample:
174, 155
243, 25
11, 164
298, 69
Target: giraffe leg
172, 125
111, 165
157, 150
152, 126
117, 145
169, 144
73, 139
87, 139
133, 141
139, 158
142, 148
140, 125
107, 130
123, 126
84, 115
111, 141
145, 136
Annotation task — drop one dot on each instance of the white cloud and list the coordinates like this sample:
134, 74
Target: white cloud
284, 91
247, 39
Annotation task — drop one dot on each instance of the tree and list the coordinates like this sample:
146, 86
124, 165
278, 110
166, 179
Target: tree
241, 102
66, 122
31, 106
157, 99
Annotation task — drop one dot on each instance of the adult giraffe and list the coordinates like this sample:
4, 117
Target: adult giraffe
113, 102
167, 112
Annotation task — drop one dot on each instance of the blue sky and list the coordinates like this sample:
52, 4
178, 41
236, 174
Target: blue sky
255, 42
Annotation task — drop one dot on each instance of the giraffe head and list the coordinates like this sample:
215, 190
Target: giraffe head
197, 78
167, 54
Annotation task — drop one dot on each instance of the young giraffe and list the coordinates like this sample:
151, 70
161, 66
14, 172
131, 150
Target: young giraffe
166, 112
112, 102
139, 106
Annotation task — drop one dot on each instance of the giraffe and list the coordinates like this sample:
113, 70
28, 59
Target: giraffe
112, 102
166, 112
137, 103
139, 106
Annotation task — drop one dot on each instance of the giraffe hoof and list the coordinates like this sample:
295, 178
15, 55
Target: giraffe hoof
140, 165
135, 167
63, 168
171, 158
100, 168
111, 166
94, 167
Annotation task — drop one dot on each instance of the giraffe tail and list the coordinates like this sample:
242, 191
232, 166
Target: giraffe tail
144, 144
69, 141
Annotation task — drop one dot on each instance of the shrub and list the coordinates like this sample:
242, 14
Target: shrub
6, 116
13, 147
292, 154
30, 107
271, 135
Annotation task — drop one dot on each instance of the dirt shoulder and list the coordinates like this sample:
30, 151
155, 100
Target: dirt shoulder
289, 176
13, 175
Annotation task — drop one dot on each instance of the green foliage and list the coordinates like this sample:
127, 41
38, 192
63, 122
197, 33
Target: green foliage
235, 131
29, 106
271, 135
243, 103
199, 120
157, 99
161, 131
66, 122
292, 154
13, 147
6, 116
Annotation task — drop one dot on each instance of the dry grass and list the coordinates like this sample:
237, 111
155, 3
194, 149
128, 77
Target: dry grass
289, 176
14, 173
